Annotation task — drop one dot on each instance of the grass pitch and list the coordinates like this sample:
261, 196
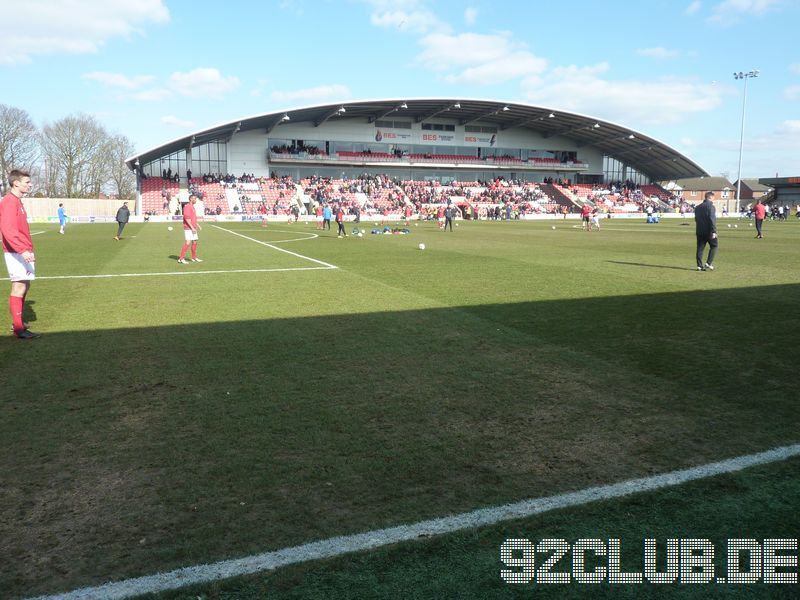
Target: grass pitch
183, 414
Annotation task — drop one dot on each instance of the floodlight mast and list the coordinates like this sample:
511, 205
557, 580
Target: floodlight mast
745, 76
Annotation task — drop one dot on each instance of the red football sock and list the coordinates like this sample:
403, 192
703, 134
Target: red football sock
183, 250
15, 304
194, 251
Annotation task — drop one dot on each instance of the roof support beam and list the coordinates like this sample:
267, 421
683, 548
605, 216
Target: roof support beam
277, 121
386, 113
657, 160
331, 113
522, 122
636, 149
234, 131
479, 116
433, 113
608, 138
570, 130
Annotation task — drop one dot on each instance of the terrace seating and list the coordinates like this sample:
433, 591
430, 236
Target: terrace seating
505, 160
152, 200
425, 157
537, 160
213, 195
657, 191
449, 158
367, 155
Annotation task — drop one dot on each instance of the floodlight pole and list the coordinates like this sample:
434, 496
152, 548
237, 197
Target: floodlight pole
745, 76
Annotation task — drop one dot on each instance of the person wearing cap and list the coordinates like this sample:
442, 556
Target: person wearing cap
705, 218
123, 215
190, 228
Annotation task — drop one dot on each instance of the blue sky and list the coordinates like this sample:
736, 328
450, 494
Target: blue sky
157, 69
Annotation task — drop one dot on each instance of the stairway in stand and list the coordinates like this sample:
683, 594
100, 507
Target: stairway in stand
557, 196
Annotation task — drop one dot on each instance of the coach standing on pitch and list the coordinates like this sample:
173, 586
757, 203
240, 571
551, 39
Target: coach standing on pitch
705, 218
123, 215
18, 249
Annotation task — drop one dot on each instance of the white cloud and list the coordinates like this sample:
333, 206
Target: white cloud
512, 66
198, 83
410, 16
730, 12
659, 53
152, 95
587, 90
314, 94
70, 27
292, 6
470, 15
693, 8
765, 154
177, 122
792, 127
118, 80
792, 92
476, 58
202, 82
794, 68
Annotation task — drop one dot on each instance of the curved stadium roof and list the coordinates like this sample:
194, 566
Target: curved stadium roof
641, 152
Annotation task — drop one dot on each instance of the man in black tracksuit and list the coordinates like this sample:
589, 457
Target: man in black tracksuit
449, 213
705, 219
123, 214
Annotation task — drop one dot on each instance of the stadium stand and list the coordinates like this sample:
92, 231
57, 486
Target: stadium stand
380, 194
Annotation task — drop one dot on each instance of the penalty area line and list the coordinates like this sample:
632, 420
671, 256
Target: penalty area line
370, 540
319, 262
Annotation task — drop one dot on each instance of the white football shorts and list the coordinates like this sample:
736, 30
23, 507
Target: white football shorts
189, 235
19, 269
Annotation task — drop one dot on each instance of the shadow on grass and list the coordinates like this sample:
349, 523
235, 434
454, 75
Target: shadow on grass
29, 313
636, 264
132, 451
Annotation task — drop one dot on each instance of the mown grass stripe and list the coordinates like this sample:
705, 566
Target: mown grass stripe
113, 275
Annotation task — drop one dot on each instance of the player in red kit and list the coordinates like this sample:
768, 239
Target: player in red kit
586, 212
18, 249
190, 228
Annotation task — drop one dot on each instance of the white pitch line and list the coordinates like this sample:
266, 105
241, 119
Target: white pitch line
331, 547
37, 232
303, 239
319, 262
111, 275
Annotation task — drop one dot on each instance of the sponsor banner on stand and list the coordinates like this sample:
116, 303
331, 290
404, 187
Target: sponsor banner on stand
481, 139
392, 137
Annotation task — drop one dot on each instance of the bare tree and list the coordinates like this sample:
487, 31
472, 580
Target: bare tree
75, 150
19, 140
123, 180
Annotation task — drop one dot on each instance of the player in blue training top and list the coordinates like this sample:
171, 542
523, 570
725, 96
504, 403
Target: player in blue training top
62, 218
